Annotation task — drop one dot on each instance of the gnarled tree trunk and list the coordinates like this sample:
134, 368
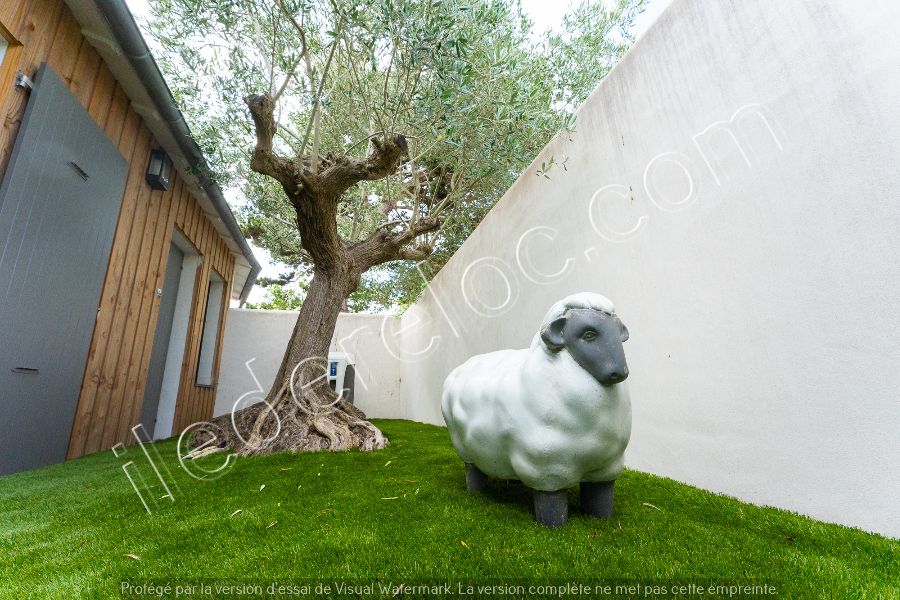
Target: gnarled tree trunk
301, 412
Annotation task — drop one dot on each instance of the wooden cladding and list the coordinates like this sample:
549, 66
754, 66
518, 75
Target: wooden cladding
115, 374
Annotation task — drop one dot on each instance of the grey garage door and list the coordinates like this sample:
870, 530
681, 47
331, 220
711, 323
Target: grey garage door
59, 203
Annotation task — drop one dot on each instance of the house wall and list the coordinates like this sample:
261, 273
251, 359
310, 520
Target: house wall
732, 185
112, 391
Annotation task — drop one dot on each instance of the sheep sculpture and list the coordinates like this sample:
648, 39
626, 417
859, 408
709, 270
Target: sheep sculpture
553, 415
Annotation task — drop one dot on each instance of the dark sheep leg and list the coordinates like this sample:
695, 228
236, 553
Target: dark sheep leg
597, 498
551, 509
476, 480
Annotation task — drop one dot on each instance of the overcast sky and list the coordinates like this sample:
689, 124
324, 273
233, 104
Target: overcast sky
546, 14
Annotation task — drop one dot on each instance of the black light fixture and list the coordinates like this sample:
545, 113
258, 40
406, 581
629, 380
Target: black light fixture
159, 170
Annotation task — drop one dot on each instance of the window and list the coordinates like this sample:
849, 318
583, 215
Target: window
3, 45
214, 296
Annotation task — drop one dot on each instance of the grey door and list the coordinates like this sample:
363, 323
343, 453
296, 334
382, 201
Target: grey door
161, 340
59, 203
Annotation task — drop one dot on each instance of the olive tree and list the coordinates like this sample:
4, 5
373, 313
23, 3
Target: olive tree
378, 133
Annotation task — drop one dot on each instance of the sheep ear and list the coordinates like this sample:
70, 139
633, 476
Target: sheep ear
552, 334
623, 334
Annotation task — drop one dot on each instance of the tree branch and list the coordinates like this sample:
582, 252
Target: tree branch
314, 117
383, 246
297, 26
346, 172
290, 74
264, 160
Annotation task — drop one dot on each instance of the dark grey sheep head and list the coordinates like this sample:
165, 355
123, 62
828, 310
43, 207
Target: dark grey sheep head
594, 339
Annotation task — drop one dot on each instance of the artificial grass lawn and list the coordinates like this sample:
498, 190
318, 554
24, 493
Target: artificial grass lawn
402, 514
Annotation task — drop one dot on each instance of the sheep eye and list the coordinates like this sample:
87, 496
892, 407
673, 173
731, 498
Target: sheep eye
589, 336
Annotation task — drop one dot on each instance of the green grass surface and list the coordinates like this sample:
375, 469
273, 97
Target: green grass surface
403, 515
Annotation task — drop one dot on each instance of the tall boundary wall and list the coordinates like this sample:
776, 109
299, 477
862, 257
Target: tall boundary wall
732, 185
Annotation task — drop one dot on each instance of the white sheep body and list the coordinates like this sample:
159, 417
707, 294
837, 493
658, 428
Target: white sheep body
537, 416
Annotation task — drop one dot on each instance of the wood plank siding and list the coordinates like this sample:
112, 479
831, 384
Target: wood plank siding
115, 374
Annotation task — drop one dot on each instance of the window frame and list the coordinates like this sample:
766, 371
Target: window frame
205, 375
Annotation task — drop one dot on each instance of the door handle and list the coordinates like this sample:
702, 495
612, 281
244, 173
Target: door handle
81, 172
26, 370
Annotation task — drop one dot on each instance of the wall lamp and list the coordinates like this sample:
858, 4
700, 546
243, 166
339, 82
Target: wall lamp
159, 171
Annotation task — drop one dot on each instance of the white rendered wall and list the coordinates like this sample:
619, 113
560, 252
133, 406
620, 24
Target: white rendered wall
263, 335
760, 281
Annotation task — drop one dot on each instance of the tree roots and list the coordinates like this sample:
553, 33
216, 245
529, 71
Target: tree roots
319, 422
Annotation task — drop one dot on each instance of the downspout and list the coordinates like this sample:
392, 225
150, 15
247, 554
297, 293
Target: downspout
127, 35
